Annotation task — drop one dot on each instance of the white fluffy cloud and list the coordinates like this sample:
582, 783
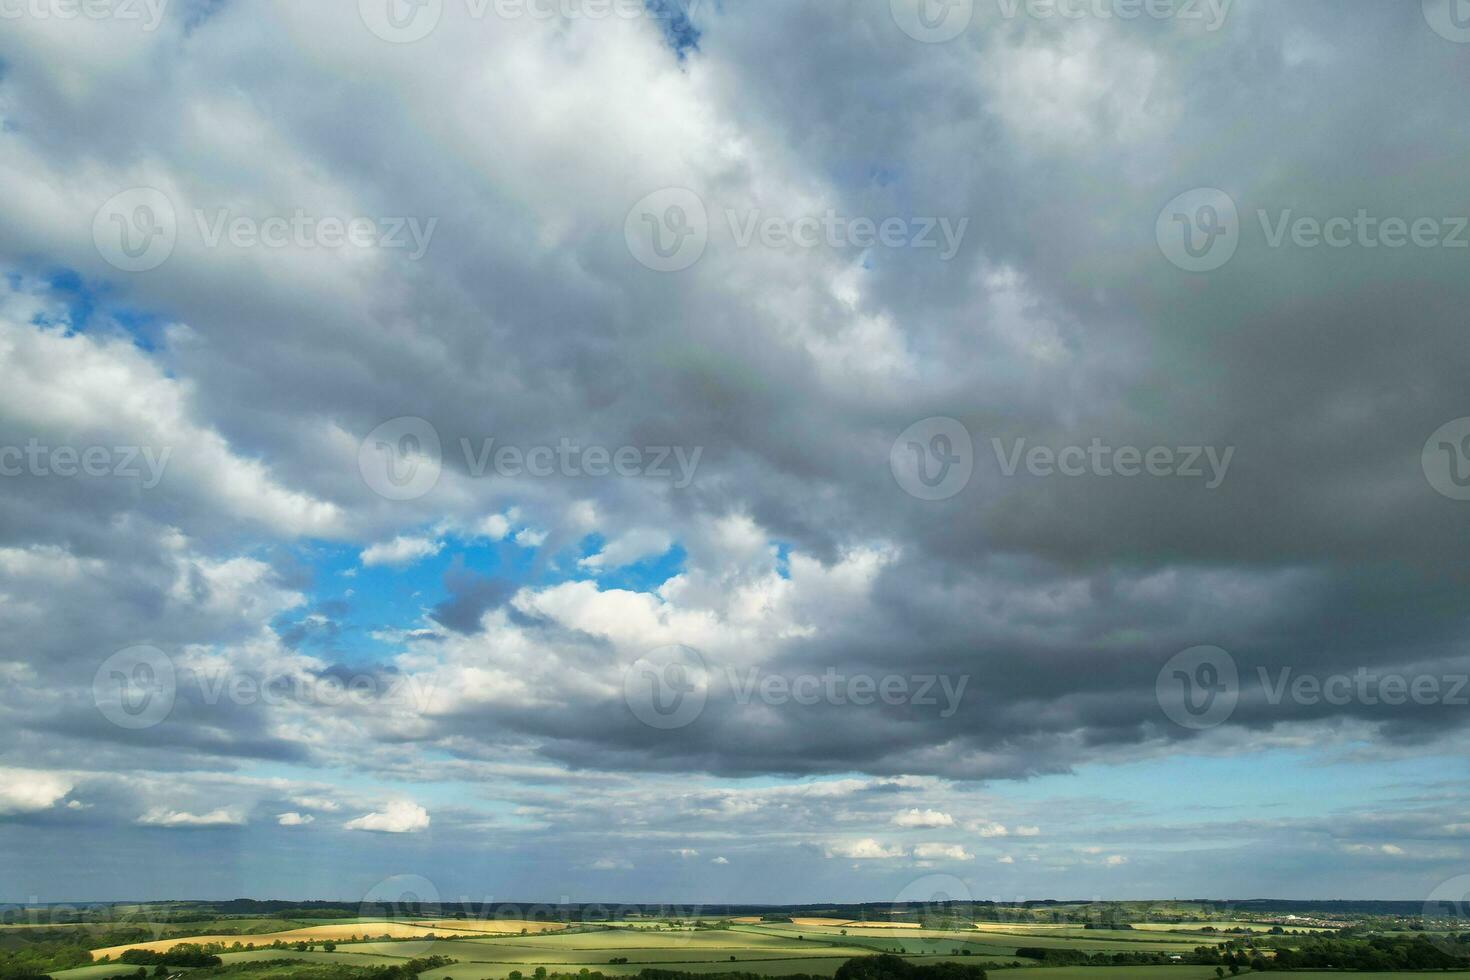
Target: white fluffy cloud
865, 849
398, 817
946, 852
28, 790
923, 818
401, 551
165, 817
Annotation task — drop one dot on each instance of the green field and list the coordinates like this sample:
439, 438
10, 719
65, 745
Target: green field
772, 949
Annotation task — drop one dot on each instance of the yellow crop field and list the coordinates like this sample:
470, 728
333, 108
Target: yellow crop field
818, 923
341, 931
496, 926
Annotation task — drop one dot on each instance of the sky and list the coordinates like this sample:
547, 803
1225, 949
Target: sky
733, 451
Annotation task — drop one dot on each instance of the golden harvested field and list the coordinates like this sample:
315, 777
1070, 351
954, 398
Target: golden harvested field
496, 926
348, 930
818, 923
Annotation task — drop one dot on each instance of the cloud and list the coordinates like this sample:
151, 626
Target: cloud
720, 860
611, 864
495, 527
866, 849
923, 818
30, 790
294, 819
401, 551
398, 817
947, 852
991, 830
164, 817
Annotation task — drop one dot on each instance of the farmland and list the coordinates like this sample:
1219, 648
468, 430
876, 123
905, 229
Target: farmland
1074, 943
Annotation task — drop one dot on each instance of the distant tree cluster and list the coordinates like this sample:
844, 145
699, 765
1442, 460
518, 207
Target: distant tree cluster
1381, 954
889, 967
184, 954
37, 959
